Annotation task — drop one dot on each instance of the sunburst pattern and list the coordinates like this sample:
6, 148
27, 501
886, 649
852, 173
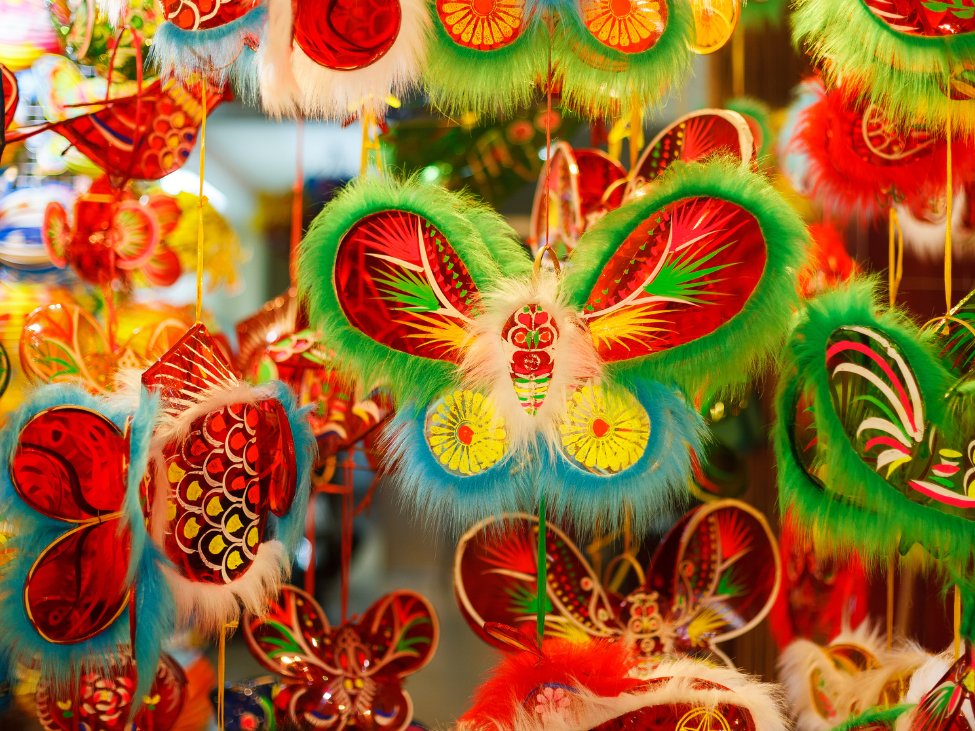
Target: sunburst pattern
604, 431
484, 25
630, 26
465, 434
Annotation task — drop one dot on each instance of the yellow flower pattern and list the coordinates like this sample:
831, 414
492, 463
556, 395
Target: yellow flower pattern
484, 25
604, 431
465, 434
630, 26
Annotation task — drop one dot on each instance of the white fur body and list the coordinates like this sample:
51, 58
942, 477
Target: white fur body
927, 238
485, 363
293, 84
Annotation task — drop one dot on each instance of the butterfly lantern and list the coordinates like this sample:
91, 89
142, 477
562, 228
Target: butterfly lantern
100, 701
714, 576
83, 590
584, 185
873, 428
228, 481
575, 685
350, 675
510, 385
829, 684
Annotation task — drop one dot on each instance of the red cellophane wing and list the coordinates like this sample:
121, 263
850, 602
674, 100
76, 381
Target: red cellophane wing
694, 136
496, 578
71, 464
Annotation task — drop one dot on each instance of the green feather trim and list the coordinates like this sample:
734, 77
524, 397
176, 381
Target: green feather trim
858, 509
758, 110
460, 79
742, 346
904, 75
607, 89
882, 715
480, 237
759, 13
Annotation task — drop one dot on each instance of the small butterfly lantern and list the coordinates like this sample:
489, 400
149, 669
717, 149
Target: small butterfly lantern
350, 675
714, 576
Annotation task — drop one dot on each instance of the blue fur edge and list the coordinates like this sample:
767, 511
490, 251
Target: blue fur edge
34, 532
655, 486
290, 528
219, 51
443, 499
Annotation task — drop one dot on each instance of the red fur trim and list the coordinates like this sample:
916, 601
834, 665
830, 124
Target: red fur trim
829, 264
599, 666
849, 181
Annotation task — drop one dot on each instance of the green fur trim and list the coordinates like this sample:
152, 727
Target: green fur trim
607, 87
883, 715
759, 13
904, 75
858, 509
460, 79
758, 110
480, 237
736, 350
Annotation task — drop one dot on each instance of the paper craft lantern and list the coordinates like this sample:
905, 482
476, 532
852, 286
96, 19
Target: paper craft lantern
81, 566
673, 611
868, 447
411, 282
228, 481
350, 675
100, 701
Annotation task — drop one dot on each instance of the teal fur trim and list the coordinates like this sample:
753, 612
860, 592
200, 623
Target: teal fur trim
742, 346
758, 110
33, 533
216, 51
463, 223
858, 509
904, 75
886, 716
599, 81
460, 79
759, 13
142, 427
656, 485
291, 528
441, 498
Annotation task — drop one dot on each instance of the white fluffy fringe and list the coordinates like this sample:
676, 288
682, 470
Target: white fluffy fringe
849, 693
210, 606
927, 238
291, 83
761, 700
485, 364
